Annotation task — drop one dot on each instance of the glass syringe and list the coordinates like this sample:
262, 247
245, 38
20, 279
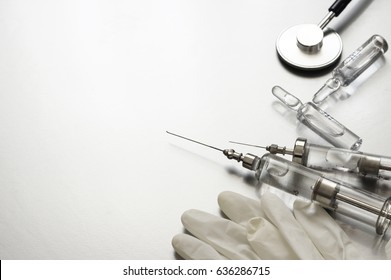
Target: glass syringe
330, 158
310, 184
352, 67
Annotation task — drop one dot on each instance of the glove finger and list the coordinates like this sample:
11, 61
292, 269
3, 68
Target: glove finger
239, 208
331, 241
191, 248
267, 241
227, 237
281, 216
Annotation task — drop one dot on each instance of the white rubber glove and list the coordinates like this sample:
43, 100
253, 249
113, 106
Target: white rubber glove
265, 230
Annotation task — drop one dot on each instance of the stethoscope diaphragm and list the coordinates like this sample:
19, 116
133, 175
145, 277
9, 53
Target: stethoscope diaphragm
309, 55
311, 46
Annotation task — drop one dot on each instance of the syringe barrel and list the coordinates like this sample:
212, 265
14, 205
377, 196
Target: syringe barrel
330, 194
330, 158
327, 127
360, 60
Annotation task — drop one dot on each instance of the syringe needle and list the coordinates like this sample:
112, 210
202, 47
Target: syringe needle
273, 148
209, 146
251, 145
249, 161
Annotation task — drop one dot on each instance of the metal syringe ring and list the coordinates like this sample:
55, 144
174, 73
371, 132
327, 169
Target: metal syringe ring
327, 193
383, 221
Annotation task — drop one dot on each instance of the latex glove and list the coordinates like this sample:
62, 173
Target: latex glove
262, 230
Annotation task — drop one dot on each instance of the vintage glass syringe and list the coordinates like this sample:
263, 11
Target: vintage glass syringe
310, 184
330, 158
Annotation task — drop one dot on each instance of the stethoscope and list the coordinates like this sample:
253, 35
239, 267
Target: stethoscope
311, 46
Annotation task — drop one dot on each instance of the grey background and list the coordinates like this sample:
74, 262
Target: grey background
88, 89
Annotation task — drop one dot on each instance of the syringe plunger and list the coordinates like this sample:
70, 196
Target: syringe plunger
330, 194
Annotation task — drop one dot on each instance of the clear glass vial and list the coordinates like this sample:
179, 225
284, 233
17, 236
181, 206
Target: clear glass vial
352, 67
319, 121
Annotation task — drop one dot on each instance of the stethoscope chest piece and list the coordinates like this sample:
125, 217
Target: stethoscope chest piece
307, 47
